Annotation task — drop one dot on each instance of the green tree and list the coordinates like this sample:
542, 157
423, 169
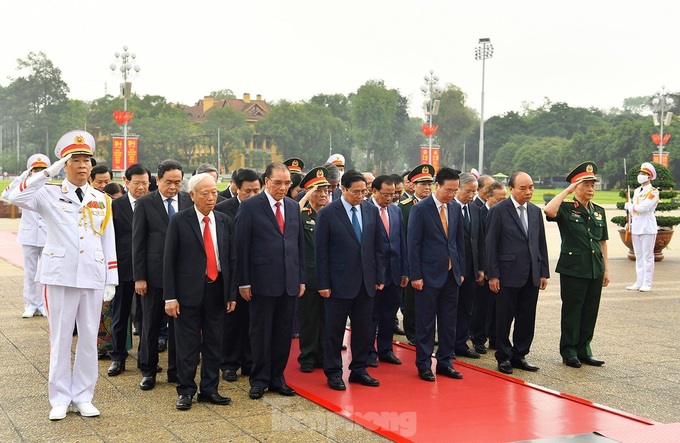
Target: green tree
234, 132
222, 94
456, 122
540, 157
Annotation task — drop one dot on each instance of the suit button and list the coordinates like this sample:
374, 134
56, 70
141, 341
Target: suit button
593, 251
51, 254
570, 253
81, 251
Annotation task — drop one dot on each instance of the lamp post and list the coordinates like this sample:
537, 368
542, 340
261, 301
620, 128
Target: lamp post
482, 52
431, 89
124, 63
662, 103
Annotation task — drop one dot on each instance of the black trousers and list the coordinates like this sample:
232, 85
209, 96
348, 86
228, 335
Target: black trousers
386, 304
271, 329
235, 340
360, 311
121, 306
466, 298
518, 304
153, 313
198, 329
483, 316
312, 317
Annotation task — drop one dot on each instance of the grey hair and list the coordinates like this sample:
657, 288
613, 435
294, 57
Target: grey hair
467, 178
198, 178
205, 167
333, 172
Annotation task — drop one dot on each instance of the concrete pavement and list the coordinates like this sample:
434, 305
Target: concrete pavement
636, 335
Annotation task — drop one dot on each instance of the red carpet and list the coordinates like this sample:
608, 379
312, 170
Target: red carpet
485, 406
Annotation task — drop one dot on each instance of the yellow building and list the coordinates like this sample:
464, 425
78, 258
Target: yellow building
259, 149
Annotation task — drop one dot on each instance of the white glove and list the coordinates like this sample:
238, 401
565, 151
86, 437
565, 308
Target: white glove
56, 166
109, 292
24, 175
628, 206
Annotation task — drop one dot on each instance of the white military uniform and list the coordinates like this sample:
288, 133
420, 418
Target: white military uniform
78, 260
31, 237
643, 229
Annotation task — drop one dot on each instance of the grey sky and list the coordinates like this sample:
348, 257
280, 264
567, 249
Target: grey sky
586, 53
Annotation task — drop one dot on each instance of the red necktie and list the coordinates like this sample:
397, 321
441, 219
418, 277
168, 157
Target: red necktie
279, 216
385, 220
211, 259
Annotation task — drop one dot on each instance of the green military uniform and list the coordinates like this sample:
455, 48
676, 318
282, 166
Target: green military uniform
581, 267
311, 311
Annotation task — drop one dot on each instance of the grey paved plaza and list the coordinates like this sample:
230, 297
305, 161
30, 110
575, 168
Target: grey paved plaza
637, 334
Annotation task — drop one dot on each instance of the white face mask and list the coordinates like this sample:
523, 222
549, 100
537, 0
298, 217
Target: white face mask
642, 178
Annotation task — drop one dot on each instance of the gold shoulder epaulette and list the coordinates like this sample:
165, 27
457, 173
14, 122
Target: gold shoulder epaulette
406, 201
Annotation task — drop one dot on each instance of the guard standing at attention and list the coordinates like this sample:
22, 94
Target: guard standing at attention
78, 267
582, 264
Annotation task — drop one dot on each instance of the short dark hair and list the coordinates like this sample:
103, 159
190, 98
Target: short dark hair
396, 178
350, 177
513, 177
114, 188
272, 166
404, 175
137, 169
99, 169
169, 165
445, 174
382, 180
247, 175
493, 186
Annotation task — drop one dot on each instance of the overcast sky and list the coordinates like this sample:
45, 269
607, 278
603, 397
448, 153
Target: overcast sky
585, 53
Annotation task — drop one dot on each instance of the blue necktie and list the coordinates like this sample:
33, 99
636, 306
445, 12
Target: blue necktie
355, 223
171, 209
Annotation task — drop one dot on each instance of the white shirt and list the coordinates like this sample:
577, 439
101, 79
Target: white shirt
272, 204
348, 209
173, 201
133, 201
439, 206
519, 213
213, 232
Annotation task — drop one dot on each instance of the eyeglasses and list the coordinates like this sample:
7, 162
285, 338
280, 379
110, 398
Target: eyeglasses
388, 196
136, 184
358, 192
467, 191
279, 183
449, 191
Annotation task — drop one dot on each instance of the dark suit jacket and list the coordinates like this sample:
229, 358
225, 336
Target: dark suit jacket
476, 235
340, 258
428, 247
512, 255
270, 262
149, 225
478, 202
122, 223
228, 206
184, 263
394, 246
227, 193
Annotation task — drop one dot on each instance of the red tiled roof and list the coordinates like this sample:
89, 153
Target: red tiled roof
254, 110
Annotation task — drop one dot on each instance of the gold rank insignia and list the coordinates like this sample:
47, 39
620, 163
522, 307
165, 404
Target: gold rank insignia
79, 139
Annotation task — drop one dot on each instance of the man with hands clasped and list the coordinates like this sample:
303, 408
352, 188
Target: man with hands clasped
78, 267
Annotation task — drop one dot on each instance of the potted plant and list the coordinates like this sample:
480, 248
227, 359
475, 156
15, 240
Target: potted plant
547, 196
664, 182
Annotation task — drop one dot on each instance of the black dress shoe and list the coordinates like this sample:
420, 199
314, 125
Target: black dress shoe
256, 392
147, 383
467, 352
363, 379
229, 375
284, 390
162, 345
245, 372
426, 374
590, 361
116, 368
307, 368
448, 372
343, 347
411, 342
390, 358
505, 367
173, 379
372, 362
481, 349
215, 399
572, 362
103, 355
183, 402
336, 383
398, 330
522, 363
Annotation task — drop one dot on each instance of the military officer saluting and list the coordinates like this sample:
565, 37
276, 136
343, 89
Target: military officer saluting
31, 237
582, 264
78, 267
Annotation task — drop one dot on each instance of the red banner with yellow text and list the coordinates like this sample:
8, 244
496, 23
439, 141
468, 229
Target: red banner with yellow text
664, 158
430, 156
117, 156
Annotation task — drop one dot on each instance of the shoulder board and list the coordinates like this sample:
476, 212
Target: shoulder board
406, 201
307, 209
568, 200
52, 184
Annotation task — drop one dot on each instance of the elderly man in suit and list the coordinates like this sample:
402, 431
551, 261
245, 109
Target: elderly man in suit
517, 267
235, 340
387, 300
436, 257
474, 262
270, 273
149, 225
199, 288
349, 270
137, 179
